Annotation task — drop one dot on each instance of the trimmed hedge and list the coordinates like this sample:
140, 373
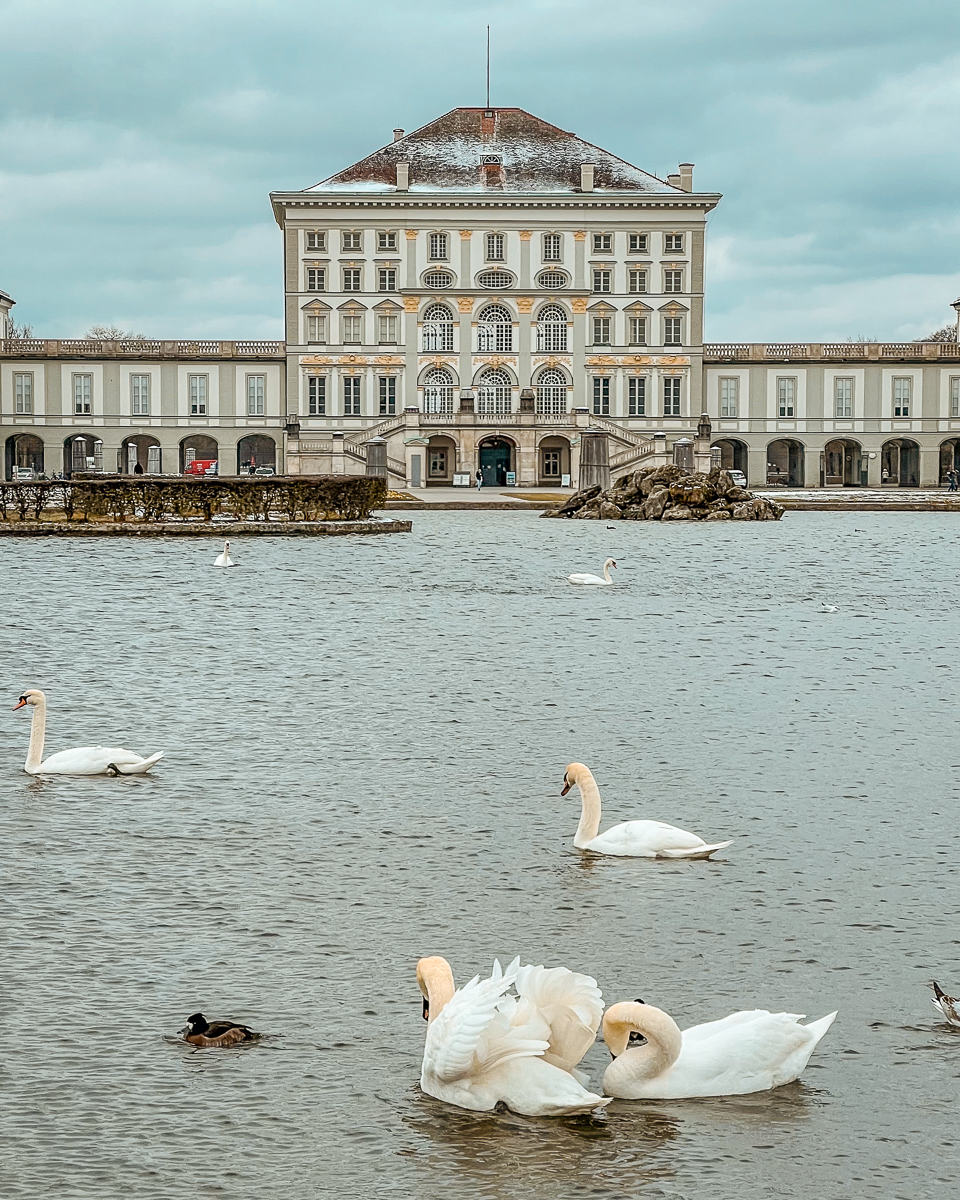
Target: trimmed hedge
154, 498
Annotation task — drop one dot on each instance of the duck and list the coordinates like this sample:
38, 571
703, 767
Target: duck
828, 608
223, 559
595, 580
949, 1006
485, 1048
631, 839
198, 1031
750, 1051
83, 760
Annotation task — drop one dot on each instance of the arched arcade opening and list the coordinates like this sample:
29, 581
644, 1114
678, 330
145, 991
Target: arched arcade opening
256, 450
140, 455
23, 454
497, 457
900, 463
785, 463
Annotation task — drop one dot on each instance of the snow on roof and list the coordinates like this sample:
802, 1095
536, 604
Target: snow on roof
445, 155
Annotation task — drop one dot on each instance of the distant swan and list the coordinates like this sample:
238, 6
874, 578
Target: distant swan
84, 760
595, 579
745, 1052
485, 1048
632, 839
828, 608
948, 1005
223, 559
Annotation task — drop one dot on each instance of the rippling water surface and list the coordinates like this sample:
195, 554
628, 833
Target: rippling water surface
365, 741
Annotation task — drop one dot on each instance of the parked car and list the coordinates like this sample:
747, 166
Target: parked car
264, 471
201, 466
738, 478
25, 474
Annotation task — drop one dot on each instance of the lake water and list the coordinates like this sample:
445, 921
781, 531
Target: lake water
365, 742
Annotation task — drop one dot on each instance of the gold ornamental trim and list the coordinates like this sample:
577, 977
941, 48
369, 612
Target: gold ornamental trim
466, 234
411, 303
579, 304
410, 234
526, 235
465, 304
580, 235
525, 304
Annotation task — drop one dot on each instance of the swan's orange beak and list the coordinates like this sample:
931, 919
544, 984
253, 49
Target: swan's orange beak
566, 788
19, 704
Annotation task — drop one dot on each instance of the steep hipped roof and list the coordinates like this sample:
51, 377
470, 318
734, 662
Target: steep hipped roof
446, 154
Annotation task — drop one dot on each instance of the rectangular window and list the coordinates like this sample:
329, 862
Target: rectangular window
351, 239
387, 330
495, 247
351, 395
256, 393
601, 396
386, 279
82, 394
352, 329
636, 280
551, 247
602, 243
388, 395
197, 391
438, 245
140, 395
638, 331
601, 331
551, 463
637, 243
351, 279
729, 396
843, 397
671, 396
316, 240
317, 328
902, 388
317, 395
673, 243
387, 239
438, 464
673, 281
602, 279
23, 392
955, 396
316, 279
672, 331
786, 396
636, 396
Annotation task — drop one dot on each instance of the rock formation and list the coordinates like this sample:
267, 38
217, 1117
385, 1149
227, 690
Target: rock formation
668, 494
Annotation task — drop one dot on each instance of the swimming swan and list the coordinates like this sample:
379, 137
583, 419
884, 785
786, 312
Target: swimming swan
949, 1006
595, 579
570, 1005
84, 760
632, 839
485, 1048
745, 1052
223, 559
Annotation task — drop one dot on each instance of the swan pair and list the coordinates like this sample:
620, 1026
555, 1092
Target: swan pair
84, 760
631, 839
485, 1047
595, 580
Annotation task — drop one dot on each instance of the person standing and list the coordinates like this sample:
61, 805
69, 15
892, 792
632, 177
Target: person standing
479, 479
952, 480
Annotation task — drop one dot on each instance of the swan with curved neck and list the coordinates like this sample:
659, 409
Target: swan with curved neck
84, 760
223, 559
485, 1047
631, 839
745, 1052
595, 580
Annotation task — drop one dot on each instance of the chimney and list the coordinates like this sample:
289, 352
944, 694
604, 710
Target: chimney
397, 135
686, 176
586, 176
673, 180
403, 176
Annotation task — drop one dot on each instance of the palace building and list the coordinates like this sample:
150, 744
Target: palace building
487, 293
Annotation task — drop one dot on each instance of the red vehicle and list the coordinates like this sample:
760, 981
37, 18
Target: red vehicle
201, 466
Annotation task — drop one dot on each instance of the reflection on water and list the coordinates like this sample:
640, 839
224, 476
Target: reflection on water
365, 744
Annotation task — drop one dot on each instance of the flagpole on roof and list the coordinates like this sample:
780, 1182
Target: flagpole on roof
488, 66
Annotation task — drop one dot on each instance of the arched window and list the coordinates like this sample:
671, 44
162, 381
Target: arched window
495, 329
437, 328
552, 328
551, 393
438, 392
493, 394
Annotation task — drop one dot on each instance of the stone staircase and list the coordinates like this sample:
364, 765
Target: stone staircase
627, 449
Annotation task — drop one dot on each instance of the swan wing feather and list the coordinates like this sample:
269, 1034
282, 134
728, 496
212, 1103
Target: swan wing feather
570, 1003
90, 760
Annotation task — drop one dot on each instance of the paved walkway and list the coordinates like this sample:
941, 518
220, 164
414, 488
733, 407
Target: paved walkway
486, 497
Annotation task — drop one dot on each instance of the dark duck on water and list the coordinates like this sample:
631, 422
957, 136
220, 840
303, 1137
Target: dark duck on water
198, 1031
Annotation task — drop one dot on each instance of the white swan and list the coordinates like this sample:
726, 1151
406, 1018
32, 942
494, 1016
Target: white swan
949, 1006
485, 1048
84, 760
223, 559
745, 1052
827, 608
595, 579
631, 839
570, 1005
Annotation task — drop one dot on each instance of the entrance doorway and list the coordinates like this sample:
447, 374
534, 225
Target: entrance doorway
900, 463
842, 465
496, 456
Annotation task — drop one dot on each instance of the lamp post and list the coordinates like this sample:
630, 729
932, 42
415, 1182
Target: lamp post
956, 308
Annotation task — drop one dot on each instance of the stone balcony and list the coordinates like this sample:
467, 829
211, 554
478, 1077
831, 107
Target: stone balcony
146, 348
812, 352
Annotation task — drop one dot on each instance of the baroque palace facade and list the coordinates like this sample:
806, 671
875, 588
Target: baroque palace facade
479, 295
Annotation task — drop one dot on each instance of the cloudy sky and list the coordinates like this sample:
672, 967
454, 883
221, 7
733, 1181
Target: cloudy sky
139, 142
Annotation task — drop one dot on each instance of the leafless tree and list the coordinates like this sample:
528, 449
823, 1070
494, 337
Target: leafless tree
21, 330
113, 333
946, 333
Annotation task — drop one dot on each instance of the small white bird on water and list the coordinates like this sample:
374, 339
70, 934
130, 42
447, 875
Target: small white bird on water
828, 608
948, 1005
595, 579
223, 559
